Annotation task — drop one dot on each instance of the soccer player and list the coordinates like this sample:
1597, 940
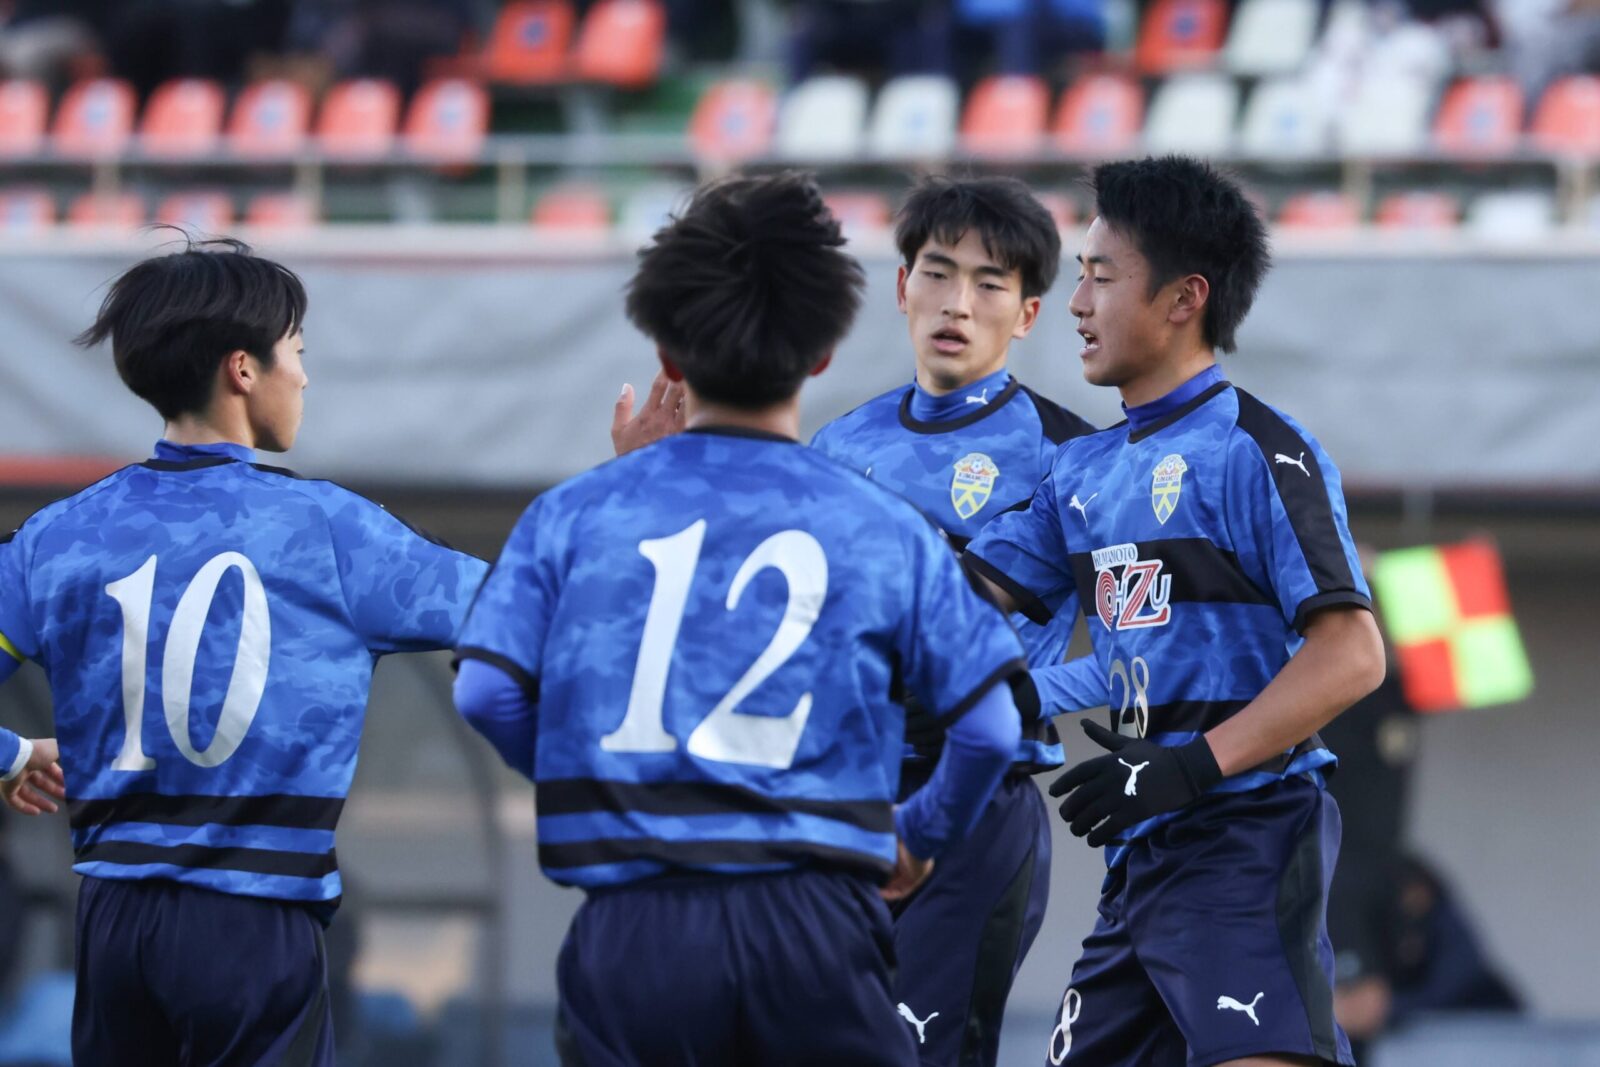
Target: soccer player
965, 442
209, 626
697, 652
1207, 539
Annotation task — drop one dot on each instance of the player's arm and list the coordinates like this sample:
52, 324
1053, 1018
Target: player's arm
1076, 685
29, 774
497, 705
1019, 561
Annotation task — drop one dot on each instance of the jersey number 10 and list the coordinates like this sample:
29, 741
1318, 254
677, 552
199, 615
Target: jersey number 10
246, 684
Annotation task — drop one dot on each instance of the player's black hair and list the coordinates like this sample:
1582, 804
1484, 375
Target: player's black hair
1187, 218
748, 289
173, 318
1017, 230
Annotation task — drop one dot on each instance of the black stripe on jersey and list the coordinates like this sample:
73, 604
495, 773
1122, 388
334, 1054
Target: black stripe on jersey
708, 854
295, 812
1002, 673
1305, 498
1026, 602
983, 411
252, 860
1177, 413
573, 796
529, 684
1059, 424
1187, 716
1201, 573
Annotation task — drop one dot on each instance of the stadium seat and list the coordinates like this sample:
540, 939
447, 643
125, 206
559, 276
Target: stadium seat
1180, 35
1515, 215
860, 214
183, 119
24, 109
1387, 117
529, 42
95, 119
26, 209
1006, 116
1322, 211
201, 211
280, 211
1062, 208
733, 121
573, 210
1193, 114
1284, 119
1270, 37
822, 119
1567, 121
270, 120
448, 120
1480, 117
621, 42
358, 119
1100, 116
118, 211
1419, 210
915, 118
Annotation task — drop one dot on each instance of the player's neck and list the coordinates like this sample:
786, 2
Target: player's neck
211, 428
1165, 376
944, 386
782, 418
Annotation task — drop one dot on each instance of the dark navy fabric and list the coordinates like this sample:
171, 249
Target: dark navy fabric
1210, 943
783, 970
173, 975
962, 938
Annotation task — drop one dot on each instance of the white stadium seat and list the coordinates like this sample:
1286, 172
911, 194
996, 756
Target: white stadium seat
1387, 117
1511, 216
1270, 37
915, 118
1192, 114
822, 119
1284, 119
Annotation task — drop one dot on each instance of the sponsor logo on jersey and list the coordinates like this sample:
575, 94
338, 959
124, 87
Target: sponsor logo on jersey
972, 484
1166, 485
1129, 592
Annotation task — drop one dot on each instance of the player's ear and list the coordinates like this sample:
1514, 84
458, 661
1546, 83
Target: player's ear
669, 368
1030, 315
822, 364
1189, 299
900, 287
239, 371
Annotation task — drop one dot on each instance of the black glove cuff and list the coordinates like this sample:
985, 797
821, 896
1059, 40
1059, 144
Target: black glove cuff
1199, 765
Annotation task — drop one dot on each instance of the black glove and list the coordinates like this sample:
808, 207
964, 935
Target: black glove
1137, 781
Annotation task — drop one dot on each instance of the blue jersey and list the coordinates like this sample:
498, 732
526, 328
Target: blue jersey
209, 627
1199, 538
719, 629
962, 472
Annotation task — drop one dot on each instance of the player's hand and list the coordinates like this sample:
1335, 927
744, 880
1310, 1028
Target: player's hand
661, 416
909, 874
1138, 780
30, 792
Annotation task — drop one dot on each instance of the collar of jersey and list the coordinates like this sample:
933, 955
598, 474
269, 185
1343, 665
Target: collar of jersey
926, 407
1146, 419
168, 453
946, 425
743, 431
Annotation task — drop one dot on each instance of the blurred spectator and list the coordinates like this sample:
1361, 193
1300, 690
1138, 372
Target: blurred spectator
1546, 39
1028, 36
874, 38
44, 39
391, 39
151, 41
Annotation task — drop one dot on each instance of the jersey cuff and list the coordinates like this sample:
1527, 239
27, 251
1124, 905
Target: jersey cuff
1002, 673
1027, 603
529, 684
1314, 604
24, 754
11, 650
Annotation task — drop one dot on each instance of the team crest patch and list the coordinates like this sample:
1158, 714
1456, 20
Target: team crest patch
972, 484
1166, 485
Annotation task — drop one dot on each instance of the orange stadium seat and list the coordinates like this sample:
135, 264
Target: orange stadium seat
1100, 115
1480, 117
204, 212
448, 120
573, 210
528, 45
1567, 121
1006, 116
280, 211
270, 120
733, 121
95, 118
1180, 35
859, 213
358, 119
1320, 211
183, 118
621, 42
25, 209
24, 109
116, 211
1419, 211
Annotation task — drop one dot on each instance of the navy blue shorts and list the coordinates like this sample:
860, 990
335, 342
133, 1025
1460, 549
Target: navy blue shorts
790, 968
961, 939
172, 975
1212, 940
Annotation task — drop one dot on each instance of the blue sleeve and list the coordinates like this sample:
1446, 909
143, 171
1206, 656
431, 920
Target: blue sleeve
405, 591
509, 620
1076, 685
977, 750
1025, 553
18, 641
499, 708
